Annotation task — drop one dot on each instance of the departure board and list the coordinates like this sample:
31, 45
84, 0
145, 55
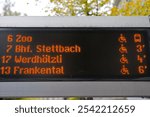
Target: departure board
47, 54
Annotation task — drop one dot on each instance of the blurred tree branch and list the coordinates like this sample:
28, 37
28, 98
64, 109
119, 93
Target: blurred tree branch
78, 7
132, 8
7, 9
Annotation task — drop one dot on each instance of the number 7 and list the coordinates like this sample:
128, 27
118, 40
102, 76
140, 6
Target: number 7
8, 48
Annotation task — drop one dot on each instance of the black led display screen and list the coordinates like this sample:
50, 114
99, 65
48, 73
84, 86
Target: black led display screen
73, 54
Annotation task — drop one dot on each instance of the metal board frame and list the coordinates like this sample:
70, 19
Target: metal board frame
75, 88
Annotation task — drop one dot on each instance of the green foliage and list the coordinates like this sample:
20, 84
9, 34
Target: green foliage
132, 8
78, 7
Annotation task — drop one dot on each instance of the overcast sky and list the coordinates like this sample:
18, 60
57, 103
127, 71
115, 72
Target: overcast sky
30, 7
